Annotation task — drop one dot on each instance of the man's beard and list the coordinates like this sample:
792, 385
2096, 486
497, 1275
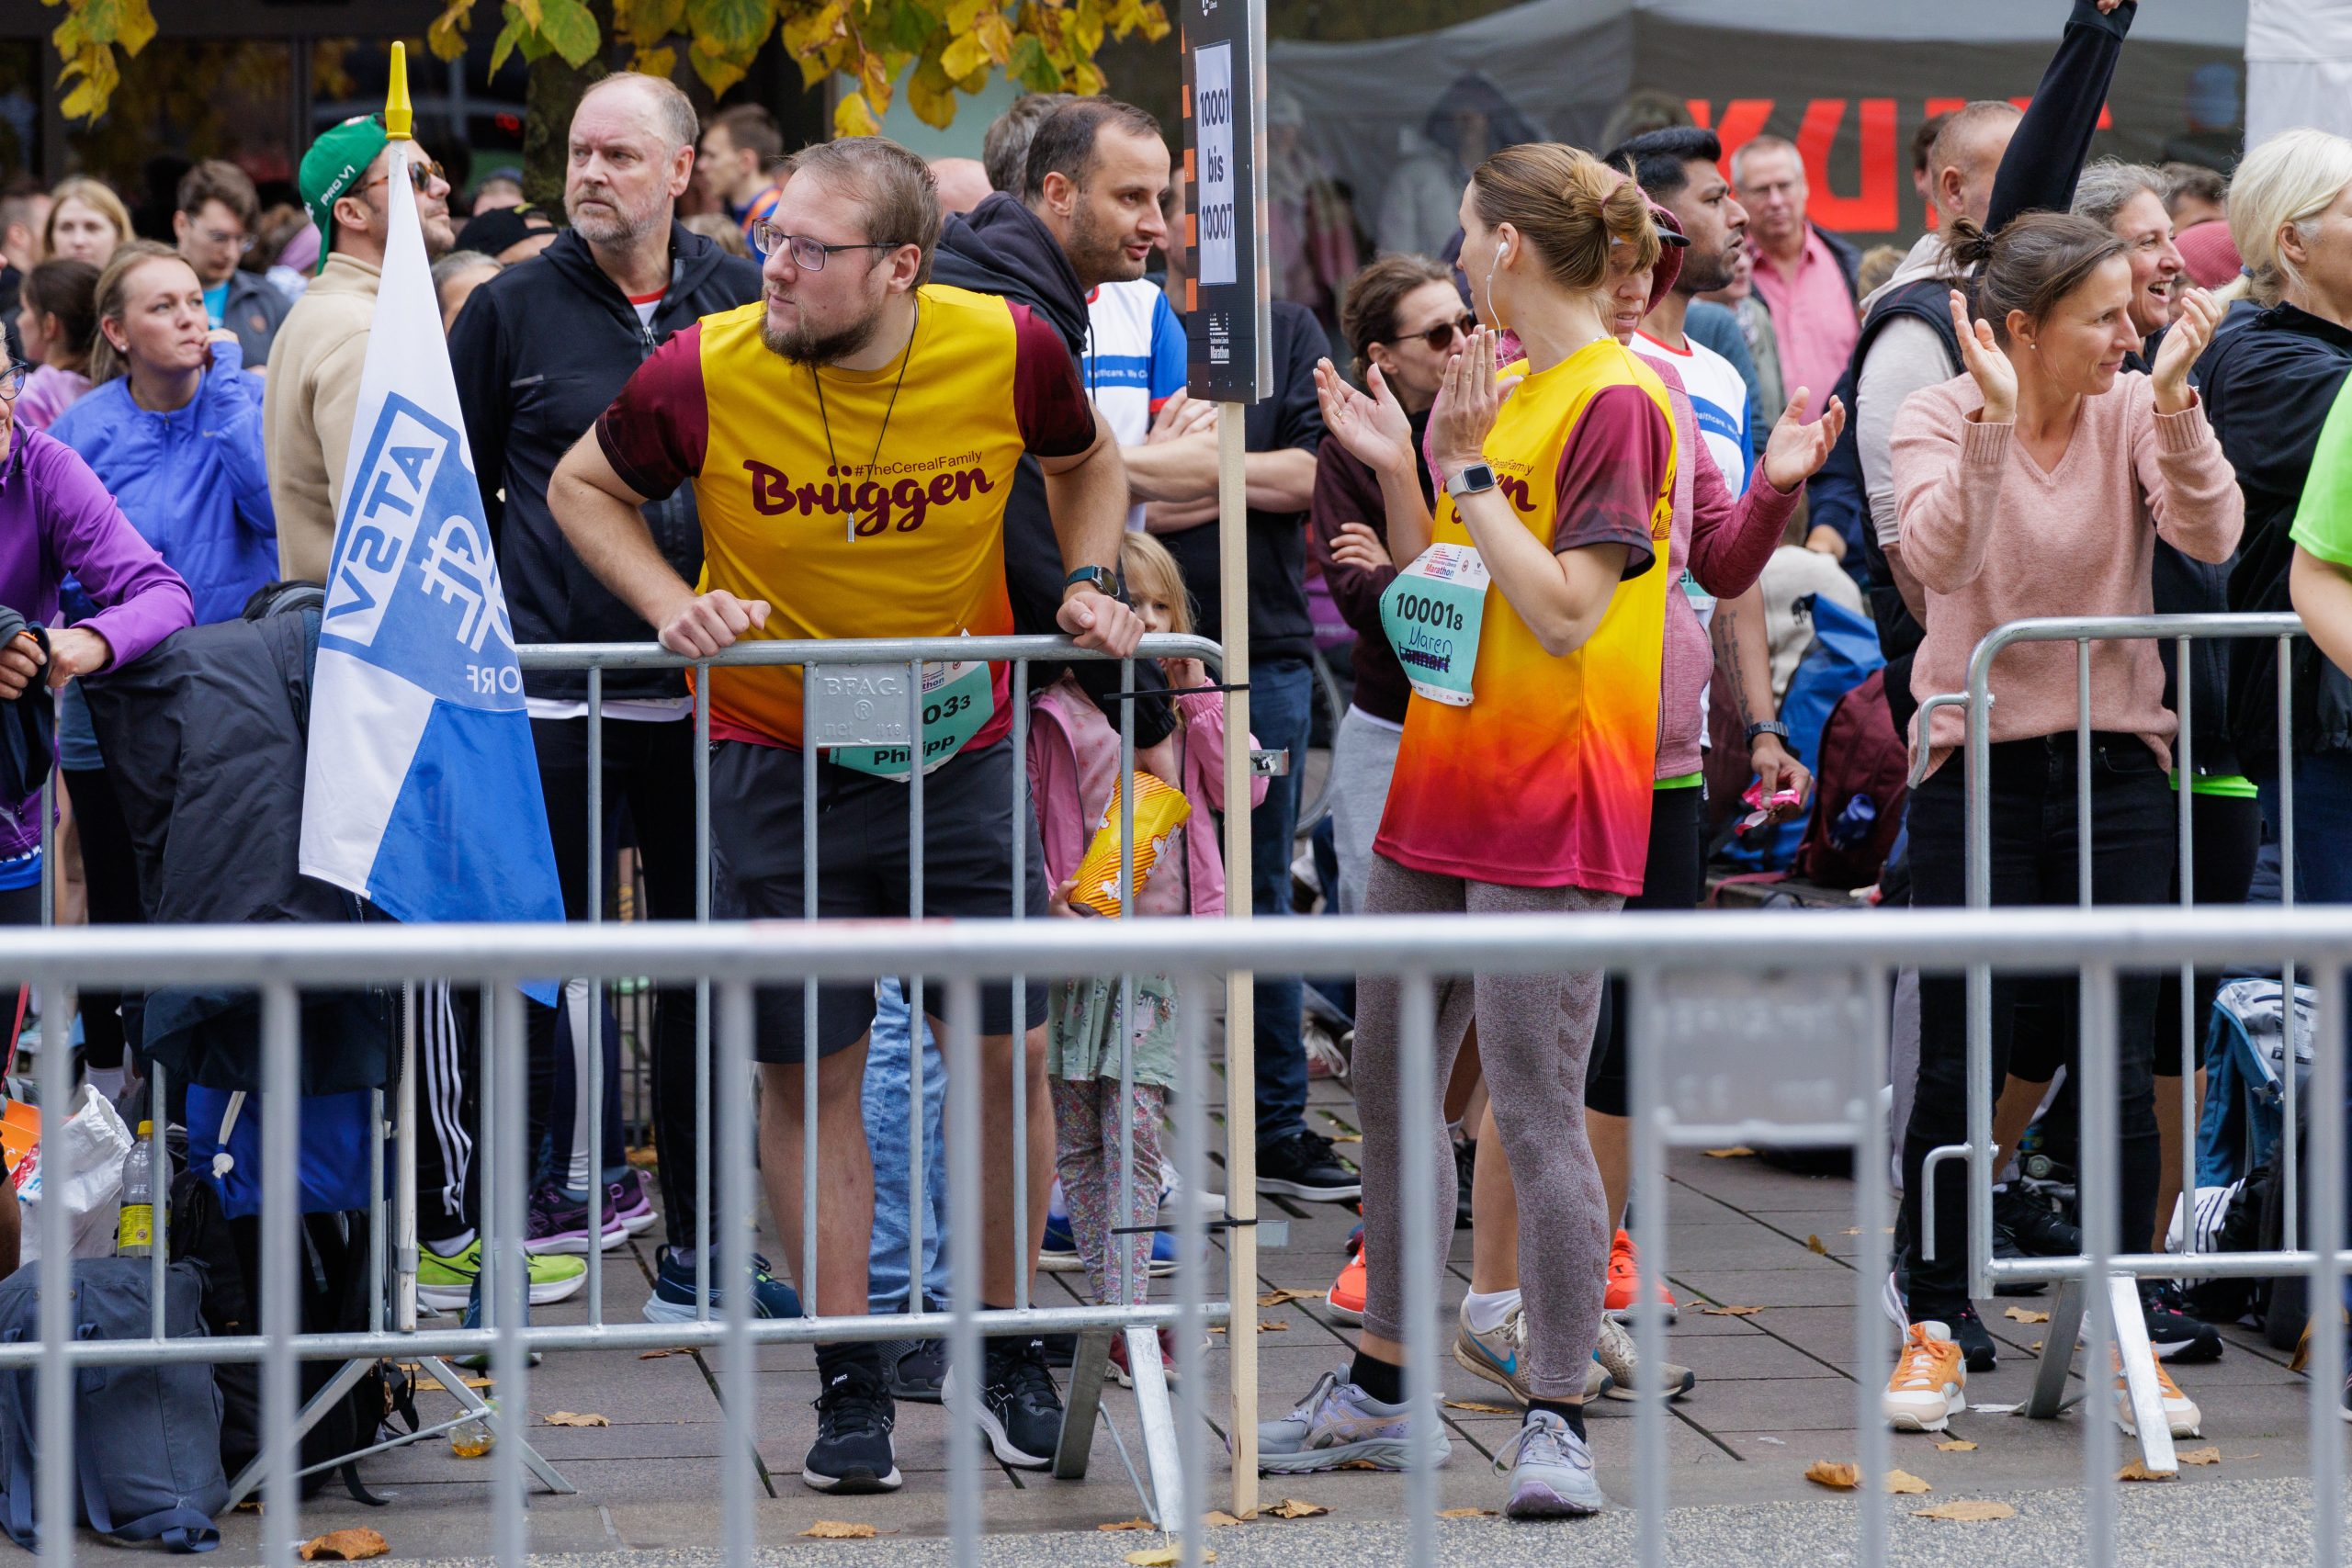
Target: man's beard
1100, 257
612, 224
803, 347
1703, 274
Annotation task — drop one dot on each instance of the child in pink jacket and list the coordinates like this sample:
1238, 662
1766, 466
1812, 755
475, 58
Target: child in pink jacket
1074, 776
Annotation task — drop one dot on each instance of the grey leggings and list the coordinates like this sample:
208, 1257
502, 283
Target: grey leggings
1534, 1034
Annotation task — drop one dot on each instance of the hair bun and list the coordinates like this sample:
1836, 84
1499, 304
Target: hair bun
1967, 242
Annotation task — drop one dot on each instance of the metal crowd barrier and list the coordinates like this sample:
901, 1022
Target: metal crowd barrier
1778, 1036
887, 665
2108, 1259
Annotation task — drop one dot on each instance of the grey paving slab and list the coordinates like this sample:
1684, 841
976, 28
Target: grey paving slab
1778, 1390
1822, 1284
1728, 1357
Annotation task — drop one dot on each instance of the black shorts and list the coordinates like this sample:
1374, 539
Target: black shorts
1674, 877
862, 870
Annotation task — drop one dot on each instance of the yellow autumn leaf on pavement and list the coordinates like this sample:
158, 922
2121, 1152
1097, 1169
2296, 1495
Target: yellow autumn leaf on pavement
1967, 1512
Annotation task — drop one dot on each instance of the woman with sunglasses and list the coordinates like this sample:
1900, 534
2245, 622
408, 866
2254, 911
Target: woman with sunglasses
173, 427
1402, 319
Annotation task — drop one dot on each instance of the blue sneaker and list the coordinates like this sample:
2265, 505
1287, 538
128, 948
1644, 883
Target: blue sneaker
674, 1293
1059, 1253
1551, 1471
480, 1362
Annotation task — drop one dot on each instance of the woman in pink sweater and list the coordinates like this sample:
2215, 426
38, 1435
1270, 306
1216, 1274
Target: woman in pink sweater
2037, 484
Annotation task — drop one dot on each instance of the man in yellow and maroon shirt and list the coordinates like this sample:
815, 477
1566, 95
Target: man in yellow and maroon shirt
851, 441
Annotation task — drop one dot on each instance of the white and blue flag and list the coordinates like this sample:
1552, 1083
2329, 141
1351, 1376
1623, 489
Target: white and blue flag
422, 789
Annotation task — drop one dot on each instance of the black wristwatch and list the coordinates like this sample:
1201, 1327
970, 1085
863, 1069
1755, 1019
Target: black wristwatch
1769, 726
1101, 579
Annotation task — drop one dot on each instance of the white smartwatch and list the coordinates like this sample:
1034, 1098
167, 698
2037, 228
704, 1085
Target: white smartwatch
1474, 478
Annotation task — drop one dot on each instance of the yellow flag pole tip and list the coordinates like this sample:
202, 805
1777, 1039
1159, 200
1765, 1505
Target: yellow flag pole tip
399, 116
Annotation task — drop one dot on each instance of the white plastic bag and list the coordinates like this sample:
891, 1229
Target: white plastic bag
100, 1143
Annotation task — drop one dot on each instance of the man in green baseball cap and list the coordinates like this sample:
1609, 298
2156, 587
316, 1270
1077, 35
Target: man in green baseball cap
337, 161
313, 386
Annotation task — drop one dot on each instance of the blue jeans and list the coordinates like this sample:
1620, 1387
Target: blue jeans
1281, 706
2323, 872
890, 1080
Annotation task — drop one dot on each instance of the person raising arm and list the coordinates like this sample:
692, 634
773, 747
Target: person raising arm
1523, 781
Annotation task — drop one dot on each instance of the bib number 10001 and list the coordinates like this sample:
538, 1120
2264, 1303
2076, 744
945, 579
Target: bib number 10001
1433, 612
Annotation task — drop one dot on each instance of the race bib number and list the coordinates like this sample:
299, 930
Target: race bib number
1432, 613
957, 700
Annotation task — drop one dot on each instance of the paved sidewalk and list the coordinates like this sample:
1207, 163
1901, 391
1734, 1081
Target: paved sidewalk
1776, 1391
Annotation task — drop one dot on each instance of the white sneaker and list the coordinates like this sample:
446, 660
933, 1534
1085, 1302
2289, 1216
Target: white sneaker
1930, 1383
2182, 1415
1171, 1184
1617, 1354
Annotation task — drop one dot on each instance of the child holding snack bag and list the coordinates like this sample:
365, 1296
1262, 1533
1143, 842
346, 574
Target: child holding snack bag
1074, 777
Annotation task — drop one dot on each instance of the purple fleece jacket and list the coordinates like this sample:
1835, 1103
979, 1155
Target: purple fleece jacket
56, 520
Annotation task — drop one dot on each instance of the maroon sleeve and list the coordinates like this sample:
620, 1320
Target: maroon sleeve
1047, 397
656, 432
1345, 491
1730, 540
1616, 463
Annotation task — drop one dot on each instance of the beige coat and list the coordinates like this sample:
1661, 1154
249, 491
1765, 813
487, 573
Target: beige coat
307, 410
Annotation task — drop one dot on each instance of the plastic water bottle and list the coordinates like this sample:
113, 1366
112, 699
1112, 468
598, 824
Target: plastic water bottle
135, 1235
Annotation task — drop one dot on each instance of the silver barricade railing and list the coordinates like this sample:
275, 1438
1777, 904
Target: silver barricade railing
1802, 1066
893, 665
2100, 1281
874, 697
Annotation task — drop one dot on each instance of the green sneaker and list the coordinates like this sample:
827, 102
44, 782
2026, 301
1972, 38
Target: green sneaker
446, 1282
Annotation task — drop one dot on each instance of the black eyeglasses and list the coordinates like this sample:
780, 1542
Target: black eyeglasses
12, 380
1441, 337
807, 254
420, 174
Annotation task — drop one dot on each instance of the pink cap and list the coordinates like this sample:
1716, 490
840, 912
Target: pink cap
2208, 254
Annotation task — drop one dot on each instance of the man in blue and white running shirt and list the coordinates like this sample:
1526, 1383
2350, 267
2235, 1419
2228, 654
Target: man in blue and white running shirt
1677, 169
1133, 361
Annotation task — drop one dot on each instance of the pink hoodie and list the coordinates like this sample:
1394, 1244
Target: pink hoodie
1074, 768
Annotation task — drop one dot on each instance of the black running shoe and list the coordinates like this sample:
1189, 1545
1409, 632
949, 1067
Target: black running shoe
1975, 1344
2038, 1229
915, 1368
1021, 1411
853, 1450
2172, 1332
1968, 1332
1303, 1166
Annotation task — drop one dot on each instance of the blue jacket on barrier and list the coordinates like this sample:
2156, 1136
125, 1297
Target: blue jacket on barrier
193, 481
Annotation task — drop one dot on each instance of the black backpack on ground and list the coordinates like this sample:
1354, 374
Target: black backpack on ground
333, 1261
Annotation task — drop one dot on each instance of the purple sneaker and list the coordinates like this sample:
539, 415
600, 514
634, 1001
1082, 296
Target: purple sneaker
628, 1201
1551, 1471
1337, 1424
559, 1223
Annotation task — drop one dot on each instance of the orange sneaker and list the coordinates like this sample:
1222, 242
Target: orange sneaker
1624, 1279
1930, 1381
1346, 1296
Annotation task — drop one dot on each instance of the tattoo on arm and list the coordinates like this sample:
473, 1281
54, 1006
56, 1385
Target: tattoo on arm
1728, 664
